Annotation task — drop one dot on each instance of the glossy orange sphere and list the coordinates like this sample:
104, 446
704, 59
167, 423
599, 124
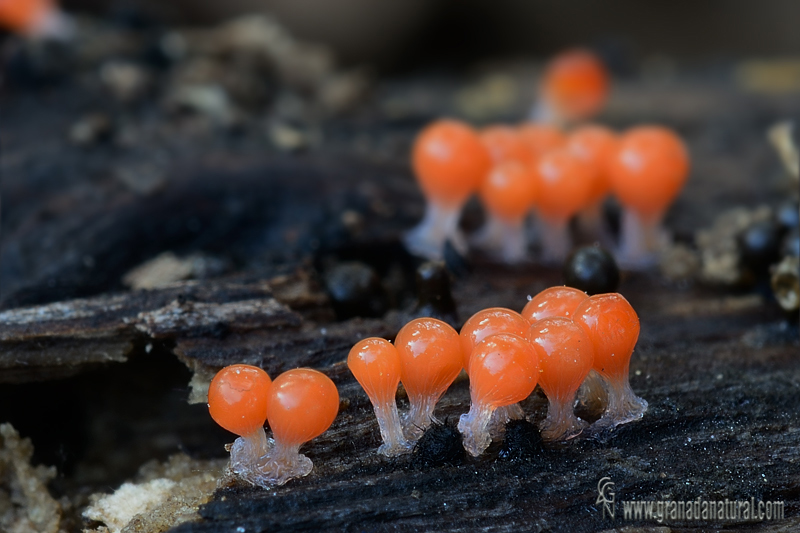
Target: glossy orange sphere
613, 326
509, 190
576, 83
649, 169
596, 145
555, 301
430, 357
450, 161
565, 355
563, 185
539, 139
504, 370
238, 397
376, 365
504, 144
489, 322
303, 404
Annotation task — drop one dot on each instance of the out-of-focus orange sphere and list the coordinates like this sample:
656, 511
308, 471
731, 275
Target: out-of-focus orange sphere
554, 301
563, 185
538, 139
504, 143
450, 161
238, 397
649, 169
613, 326
489, 322
509, 190
23, 16
596, 145
576, 83
430, 357
303, 404
376, 365
504, 370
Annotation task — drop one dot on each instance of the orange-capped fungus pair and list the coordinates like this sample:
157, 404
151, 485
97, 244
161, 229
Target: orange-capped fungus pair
428, 360
300, 405
647, 172
449, 162
612, 327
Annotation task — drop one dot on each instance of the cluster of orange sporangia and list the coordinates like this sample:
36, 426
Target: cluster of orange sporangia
558, 174
559, 338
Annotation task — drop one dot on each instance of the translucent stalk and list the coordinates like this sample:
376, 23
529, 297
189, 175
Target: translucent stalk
640, 240
561, 422
394, 443
419, 417
247, 452
503, 239
593, 227
439, 225
501, 417
473, 428
623, 405
282, 463
555, 240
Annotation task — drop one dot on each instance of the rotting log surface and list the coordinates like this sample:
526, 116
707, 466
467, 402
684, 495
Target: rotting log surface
718, 368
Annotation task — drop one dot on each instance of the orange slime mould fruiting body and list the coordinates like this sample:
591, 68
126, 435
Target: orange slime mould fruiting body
565, 355
508, 193
613, 326
503, 371
430, 360
647, 172
563, 186
481, 325
237, 400
36, 19
554, 301
596, 145
303, 404
574, 87
449, 161
375, 363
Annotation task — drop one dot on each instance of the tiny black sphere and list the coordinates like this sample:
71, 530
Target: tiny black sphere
592, 270
759, 245
355, 290
439, 445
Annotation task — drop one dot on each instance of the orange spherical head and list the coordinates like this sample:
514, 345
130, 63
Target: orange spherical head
565, 355
430, 358
489, 322
503, 370
450, 161
504, 144
576, 83
648, 170
596, 145
563, 185
23, 16
555, 301
613, 327
238, 398
538, 139
509, 190
303, 404
376, 365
